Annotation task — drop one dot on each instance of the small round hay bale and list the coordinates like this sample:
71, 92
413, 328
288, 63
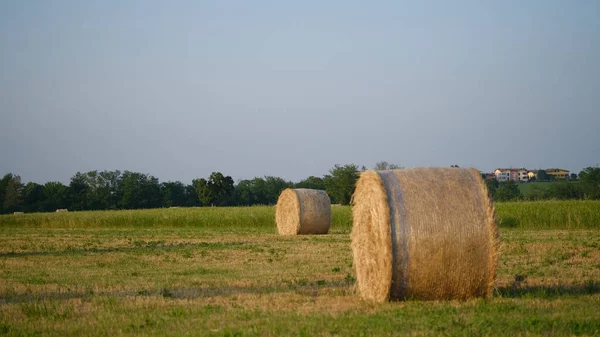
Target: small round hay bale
303, 211
423, 233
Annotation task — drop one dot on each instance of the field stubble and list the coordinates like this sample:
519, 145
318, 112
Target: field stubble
233, 280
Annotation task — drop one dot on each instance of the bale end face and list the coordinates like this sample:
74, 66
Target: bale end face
287, 213
371, 238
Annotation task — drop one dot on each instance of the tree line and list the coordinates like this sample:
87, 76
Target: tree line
586, 185
112, 190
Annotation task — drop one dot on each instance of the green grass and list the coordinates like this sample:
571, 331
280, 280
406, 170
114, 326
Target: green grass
225, 272
570, 214
261, 219
527, 188
255, 219
182, 281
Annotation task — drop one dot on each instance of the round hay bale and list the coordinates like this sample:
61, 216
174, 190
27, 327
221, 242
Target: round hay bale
303, 211
423, 233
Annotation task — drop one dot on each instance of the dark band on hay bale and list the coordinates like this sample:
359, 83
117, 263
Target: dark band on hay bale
303, 211
423, 233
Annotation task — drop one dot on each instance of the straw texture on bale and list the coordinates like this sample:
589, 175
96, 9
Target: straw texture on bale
423, 233
303, 211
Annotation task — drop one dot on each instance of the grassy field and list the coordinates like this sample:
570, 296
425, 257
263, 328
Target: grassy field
224, 272
570, 214
575, 214
528, 188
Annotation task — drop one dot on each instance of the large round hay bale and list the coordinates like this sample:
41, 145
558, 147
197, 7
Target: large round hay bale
423, 233
303, 211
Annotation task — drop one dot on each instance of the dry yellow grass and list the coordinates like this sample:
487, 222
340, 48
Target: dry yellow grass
175, 281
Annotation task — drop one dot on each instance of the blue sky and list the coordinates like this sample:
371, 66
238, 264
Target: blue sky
180, 89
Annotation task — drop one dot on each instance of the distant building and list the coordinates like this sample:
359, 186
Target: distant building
488, 176
532, 174
558, 173
554, 172
514, 174
523, 176
502, 174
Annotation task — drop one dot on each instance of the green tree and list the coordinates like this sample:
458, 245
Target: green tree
312, 182
590, 179
245, 193
79, 192
543, 176
260, 191
492, 186
340, 183
536, 193
273, 187
3, 183
12, 192
107, 191
191, 197
564, 190
203, 190
137, 191
33, 198
573, 176
173, 193
56, 196
384, 165
216, 191
95, 190
507, 191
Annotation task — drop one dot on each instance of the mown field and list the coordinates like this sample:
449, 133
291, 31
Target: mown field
225, 272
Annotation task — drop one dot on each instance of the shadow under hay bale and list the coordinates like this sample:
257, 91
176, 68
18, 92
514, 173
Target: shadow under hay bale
423, 233
303, 211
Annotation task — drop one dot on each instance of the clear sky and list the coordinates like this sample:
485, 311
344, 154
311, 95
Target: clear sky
179, 89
